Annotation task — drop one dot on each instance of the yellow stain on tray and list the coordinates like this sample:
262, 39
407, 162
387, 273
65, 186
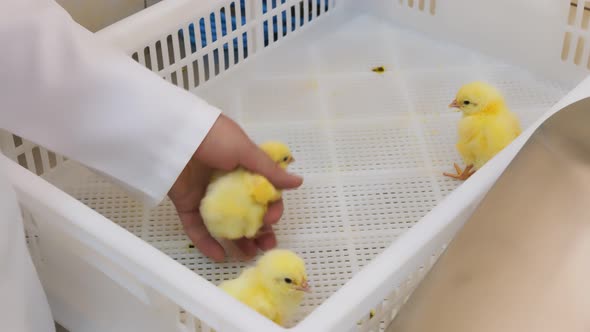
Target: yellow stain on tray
371, 315
378, 69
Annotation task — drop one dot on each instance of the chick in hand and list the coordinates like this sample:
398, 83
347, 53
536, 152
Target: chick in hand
274, 287
235, 202
486, 128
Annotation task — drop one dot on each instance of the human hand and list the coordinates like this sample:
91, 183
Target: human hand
226, 147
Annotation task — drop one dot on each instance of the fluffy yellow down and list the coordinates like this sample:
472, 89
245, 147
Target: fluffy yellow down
235, 202
487, 125
274, 287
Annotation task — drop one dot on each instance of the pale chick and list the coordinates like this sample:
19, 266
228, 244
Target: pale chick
235, 202
487, 126
274, 287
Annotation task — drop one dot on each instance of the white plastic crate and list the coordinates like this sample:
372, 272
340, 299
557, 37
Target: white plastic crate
375, 211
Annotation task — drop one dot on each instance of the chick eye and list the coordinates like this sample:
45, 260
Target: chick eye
467, 102
288, 280
286, 159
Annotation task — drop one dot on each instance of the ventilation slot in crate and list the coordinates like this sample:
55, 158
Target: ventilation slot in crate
281, 16
575, 42
201, 49
188, 322
29, 155
380, 317
32, 236
427, 6
210, 45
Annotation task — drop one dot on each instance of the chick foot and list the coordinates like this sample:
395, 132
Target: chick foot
461, 174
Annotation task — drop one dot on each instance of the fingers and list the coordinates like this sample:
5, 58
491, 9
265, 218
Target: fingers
226, 142
247, 247
274, 212
267, 239
257, 161
199, 235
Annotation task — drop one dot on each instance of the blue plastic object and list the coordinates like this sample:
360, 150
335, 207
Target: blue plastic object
224, 22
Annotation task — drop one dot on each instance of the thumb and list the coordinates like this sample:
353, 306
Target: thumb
255, 160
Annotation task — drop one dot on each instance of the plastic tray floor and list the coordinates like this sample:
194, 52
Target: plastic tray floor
372, 146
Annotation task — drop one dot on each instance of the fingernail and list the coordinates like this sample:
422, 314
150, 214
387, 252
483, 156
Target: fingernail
298, 177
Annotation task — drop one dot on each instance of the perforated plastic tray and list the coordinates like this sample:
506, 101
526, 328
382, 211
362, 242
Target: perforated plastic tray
371, 146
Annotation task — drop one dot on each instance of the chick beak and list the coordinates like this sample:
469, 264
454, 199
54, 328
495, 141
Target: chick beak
292, 160
304, 287
454, 104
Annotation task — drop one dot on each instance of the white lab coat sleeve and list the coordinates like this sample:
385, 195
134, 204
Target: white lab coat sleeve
61, 87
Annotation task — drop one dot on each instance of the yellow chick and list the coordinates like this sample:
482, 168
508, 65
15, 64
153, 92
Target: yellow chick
235, 202
486, 128
274, 287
